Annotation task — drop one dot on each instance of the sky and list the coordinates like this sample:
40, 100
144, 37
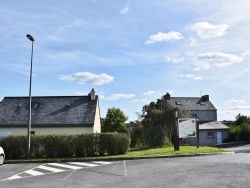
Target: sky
130, 52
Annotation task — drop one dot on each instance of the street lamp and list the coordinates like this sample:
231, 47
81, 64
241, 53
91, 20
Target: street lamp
29, 122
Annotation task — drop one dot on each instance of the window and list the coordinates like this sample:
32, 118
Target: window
210, 134
202, 103
32, 132
178, 102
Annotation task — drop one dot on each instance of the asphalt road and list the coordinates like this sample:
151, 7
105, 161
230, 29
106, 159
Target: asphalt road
226, 170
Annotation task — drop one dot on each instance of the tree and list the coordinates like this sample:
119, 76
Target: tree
240, 131
115, 121
136, 134
240, 119
157, 122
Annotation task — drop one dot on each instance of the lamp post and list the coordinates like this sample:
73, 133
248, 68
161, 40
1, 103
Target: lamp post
29, 122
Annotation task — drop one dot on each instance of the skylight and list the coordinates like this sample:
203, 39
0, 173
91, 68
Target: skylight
202, 103
178, 102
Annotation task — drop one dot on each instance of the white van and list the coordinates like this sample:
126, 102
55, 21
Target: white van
2, 156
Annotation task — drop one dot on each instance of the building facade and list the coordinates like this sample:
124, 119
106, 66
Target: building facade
50, 115
211, 131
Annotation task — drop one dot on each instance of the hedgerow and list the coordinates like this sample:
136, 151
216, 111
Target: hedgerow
82, 145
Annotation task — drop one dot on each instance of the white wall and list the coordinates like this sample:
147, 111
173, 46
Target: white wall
47, 130
97, 123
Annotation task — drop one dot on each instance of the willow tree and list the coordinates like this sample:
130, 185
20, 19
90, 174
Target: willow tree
157, 121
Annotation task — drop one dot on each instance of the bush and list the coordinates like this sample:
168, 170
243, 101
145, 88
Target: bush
240, 132
66, 145
137, 137
113, 143
14, 146
155, 137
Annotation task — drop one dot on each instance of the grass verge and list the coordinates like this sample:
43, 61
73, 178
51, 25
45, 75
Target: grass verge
136, 153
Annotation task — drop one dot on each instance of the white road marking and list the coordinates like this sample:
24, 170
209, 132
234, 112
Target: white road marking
66, 166
102, 162
84, 164
50, 168
125, 169
33, 172
14, 177
56, 169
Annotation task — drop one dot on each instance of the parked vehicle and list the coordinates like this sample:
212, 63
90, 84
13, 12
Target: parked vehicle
2, 155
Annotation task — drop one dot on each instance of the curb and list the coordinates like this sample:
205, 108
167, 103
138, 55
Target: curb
110, 159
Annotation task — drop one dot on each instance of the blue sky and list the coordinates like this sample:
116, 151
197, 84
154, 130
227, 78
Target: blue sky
130, 52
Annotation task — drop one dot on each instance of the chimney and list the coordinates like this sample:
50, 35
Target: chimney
92, 94
205, 98
166, 97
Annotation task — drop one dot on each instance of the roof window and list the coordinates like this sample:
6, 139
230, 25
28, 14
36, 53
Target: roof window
178, 102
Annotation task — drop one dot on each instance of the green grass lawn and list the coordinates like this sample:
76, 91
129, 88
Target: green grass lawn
169, 151
138, 153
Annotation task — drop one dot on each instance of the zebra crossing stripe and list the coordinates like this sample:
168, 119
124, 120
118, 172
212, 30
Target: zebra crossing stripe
33, 172
50, 168
14, 177
66, 166
102, 162
84, 164
55, 167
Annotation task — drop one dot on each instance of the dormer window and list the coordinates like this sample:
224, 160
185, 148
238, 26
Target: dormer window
178, 102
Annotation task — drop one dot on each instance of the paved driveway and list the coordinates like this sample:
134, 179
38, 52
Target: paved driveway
240, 149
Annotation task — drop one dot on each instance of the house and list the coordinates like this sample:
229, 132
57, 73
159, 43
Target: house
196, 105
50, 115
211, 131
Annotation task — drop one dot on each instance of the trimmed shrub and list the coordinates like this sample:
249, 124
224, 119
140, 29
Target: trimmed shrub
113, 143
14, 146
66, 145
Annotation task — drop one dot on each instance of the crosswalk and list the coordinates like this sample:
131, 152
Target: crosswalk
51, 168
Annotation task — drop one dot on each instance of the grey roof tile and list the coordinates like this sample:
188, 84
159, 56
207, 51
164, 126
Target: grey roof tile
191, 103
48, 111
213, 125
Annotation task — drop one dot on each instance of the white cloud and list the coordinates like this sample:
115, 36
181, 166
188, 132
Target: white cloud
144, 101
160, 37
193, 41
191, 76
124, 10
120, 96
149, 93
234, 102
206, 30
87, 77
173, 59
218, 59
246, 53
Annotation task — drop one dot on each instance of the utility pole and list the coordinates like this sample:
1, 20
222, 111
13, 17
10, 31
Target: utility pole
176, 115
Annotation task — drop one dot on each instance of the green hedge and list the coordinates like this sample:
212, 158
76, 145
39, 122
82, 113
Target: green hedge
66, 145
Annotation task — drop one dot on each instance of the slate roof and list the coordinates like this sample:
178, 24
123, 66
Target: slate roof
213, 125
192, 103
48, 111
